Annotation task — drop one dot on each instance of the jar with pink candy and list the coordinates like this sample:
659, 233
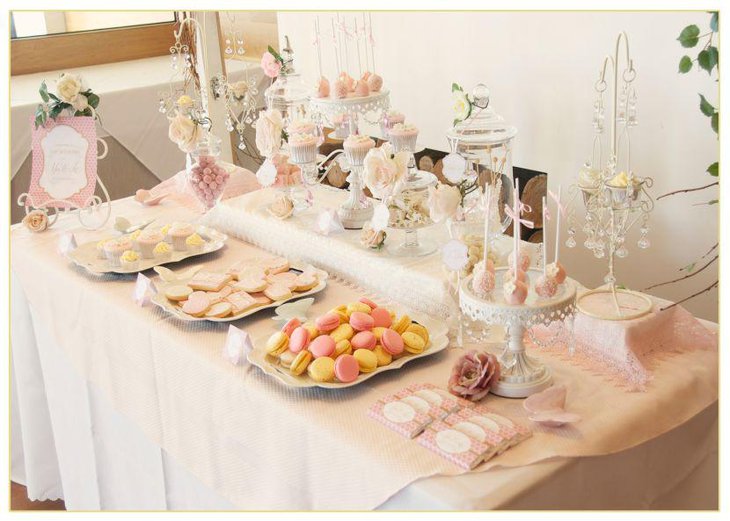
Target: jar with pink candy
206, 174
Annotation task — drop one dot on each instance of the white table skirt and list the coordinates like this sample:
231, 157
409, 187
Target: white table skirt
68, 441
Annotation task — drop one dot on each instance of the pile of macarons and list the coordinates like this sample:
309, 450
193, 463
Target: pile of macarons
348, 340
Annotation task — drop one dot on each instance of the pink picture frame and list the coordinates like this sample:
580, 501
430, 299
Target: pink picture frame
64, 163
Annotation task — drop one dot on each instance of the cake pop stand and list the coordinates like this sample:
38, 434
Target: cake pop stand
365, 107
521, 374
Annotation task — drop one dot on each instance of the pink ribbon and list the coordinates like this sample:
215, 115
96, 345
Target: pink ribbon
516, 216
561, 207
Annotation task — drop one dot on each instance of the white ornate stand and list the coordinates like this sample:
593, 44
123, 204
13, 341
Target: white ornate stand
521, 375
370, 108
357, 209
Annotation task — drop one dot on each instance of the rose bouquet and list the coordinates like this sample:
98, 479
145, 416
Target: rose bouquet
71, 95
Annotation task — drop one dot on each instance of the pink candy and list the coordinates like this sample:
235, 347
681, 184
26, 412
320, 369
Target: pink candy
208, 180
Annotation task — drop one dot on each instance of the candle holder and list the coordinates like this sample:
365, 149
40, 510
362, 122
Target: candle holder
615, 199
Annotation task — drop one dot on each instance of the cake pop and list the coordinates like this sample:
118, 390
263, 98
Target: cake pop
375, 82
482, 282
556, 271
362, 89
521, 275
546, 287
323, 88
347, 81
340, 90
515, 291
365, 75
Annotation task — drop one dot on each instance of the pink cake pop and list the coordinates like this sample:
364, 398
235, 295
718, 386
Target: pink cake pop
323, 88
515, 290
556, 271
521, 275
365, 75
347, 81
546, 287
362, 89
482, 283
340, 90
375, 82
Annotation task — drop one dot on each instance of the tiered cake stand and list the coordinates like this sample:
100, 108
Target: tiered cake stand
370, 108
521, 375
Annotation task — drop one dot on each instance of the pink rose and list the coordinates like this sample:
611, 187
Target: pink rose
270, 65
473, 375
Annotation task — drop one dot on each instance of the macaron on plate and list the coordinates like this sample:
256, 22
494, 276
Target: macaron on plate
87, 255
225, 296
347, 354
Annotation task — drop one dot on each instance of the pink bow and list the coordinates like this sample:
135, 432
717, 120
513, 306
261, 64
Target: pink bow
343, 27
516, 216
561, 207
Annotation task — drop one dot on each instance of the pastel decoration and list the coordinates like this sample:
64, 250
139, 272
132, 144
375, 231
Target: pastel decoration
67, 243
238, 345
455, 255
144, 289
328, 223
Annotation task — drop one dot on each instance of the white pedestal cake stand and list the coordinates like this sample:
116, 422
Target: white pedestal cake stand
371, 108
521, 375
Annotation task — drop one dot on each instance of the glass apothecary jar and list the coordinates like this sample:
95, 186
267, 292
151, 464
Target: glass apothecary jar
206, 175
409, 212
486, 141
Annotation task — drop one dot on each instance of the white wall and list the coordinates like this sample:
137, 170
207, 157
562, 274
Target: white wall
540, 68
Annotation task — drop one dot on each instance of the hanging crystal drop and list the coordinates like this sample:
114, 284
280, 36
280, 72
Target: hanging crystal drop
241, 144
643, 243
174, 62
162, 108
599, 253
229, 50
622, 252
609, 278
570, 242
229, 123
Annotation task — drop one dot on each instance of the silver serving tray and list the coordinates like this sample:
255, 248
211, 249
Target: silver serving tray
87, 257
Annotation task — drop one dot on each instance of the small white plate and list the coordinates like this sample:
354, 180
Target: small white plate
87, 257
438, 341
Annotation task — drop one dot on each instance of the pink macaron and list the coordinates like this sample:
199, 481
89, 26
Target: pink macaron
327, 322
290, 326
322, 346
381, 317
364, 340
346, 368
299, 339
392, 342
369, 302
361, 321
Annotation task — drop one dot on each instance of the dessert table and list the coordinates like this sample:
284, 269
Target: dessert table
117, 406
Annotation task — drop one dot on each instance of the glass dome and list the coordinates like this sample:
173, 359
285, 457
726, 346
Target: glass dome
288, 93
485, 140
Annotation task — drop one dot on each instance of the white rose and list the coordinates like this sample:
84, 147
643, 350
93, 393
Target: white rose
454, 168
68, 86
239, 89
384, 171
461, 106
443, 202
268, 132
79, 102
184, 132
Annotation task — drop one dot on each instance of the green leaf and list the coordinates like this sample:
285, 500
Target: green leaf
713, 201
44, 92
53, 96
456, 87
707, 59
93, 99
685, 64
705, 106
55, 110
276, 55
713, 169
714, 122
689, 267
689, 36
40, 116
713, 22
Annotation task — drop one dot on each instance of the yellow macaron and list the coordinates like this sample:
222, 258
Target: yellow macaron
322, 369
277, 343
366, 359
419, 330
300, 362
378, 332
383, 356
344, 318
312, 329
357, 306
343, 347
413, 343
342, 332
401, 324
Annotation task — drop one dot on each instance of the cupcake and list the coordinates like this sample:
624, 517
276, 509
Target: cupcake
178, 233
403, 136
302, 148
100, 248
194, 242
133, 237
356, 147
389, 119
301, 126
165, 230
147, 241
162, 251
114, 248
129, 260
